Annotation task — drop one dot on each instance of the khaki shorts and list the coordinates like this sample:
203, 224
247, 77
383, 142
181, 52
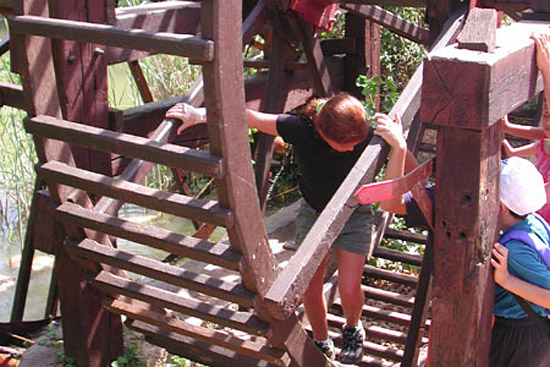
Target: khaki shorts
355, 236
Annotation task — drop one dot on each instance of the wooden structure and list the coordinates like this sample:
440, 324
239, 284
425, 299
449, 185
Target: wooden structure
62, 49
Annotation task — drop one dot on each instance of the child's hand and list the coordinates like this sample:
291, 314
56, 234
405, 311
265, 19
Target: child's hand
188, 114
542, 42
500, 263
505, 123
389, 130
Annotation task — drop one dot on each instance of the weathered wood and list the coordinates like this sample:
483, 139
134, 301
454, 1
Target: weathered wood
225, 103
497, 82
141, 81
196, 350
113, 285
387, 296
406, 3
389, 275
180, 17
255, 348
339, 46
364, 57
420, 310
12, 95
199, 49
218, 254
229, 291
320, 72
264, 64
291, 335
480, 30
406, 236
166, 202
393, 22
273, 102
255, 21
127, 145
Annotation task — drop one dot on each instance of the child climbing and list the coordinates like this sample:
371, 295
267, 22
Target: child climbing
328, 136
541, 148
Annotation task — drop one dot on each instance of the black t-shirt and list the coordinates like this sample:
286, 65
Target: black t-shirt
321, 168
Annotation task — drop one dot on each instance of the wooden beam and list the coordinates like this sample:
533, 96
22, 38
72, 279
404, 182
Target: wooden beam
200, 50
392, 22
487, 93
12, 95
181, 17
405, 3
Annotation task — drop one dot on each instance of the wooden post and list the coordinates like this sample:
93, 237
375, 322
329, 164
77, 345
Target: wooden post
466, 93
366, 58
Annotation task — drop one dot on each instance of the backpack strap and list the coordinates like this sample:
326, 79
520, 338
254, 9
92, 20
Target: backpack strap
541, 322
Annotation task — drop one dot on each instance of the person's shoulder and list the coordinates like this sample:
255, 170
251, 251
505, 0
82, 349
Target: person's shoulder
292, 126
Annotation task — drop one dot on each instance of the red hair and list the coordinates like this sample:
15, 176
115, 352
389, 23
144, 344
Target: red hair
341, 118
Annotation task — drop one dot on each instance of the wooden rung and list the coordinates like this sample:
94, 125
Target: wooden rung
229, 291
264, 64
184, 206
113, 285
170, 155
377, 313
406, 235
387, 296
196, 350
427, 147
199, 49
219, 254
257, 348
393, 255
372, 332
376, 273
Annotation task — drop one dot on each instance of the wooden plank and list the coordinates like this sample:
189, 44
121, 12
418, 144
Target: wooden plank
486, 94
180, 17
540, 6
480, 30
257, 348
199, 49
404, 3
224, 99
320, 73
373, 349
113, 285
264, 64
389, 275
372, 331
12, 95
141, 82
195, 350
387, 296
229, 291
219, 254
255, 21
128, 145
406, 235
393, 255
391, 21
166, 202
363, 56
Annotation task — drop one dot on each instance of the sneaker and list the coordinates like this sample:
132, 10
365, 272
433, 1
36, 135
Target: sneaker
327, 347
352, 344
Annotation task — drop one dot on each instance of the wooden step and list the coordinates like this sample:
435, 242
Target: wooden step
393, 255
113, 285
199, 49
257, 348
202, 210
229, 291
406, 235
219, 254
376, 313
196, 350
376, 273
387, 296
127, 145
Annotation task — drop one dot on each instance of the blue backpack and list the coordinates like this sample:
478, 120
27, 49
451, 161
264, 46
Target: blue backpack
541, 247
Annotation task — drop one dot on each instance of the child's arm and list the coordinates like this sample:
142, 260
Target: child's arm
530, 292
522, 131
189, 115
392, 133
527, 150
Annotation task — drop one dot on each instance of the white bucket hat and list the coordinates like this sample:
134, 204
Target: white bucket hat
521, 186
